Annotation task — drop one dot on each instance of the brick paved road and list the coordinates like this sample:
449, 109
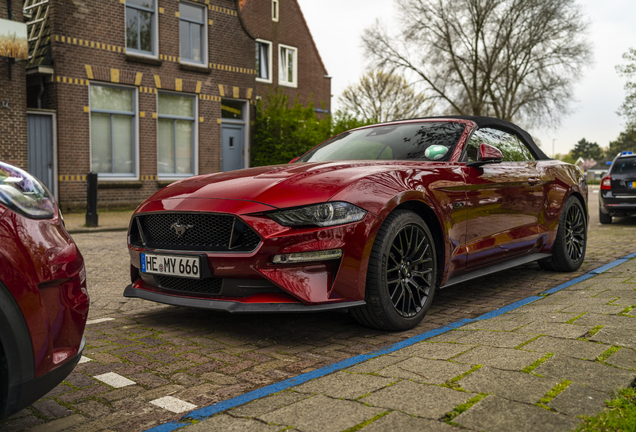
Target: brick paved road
202, 357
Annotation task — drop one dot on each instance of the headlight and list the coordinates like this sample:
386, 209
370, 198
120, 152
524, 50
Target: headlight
322, 215
25, 194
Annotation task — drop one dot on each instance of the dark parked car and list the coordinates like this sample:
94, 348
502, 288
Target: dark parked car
43, 297
373, 220
618, 189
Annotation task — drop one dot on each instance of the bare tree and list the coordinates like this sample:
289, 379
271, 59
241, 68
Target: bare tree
518, 59
384, 96
628, 108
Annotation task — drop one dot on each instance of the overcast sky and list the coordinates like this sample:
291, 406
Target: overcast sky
337, 25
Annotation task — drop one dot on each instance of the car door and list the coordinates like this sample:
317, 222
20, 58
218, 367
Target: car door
504, 200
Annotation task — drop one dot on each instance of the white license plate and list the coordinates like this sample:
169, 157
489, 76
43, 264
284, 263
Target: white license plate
171, 265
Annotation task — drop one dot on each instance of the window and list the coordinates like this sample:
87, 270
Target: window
275, 10
176, 135
113, 113
512, 149
193, 32
141, 27
288, 66
263, 61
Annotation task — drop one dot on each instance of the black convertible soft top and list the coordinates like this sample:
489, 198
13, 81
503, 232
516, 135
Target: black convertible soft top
506, 126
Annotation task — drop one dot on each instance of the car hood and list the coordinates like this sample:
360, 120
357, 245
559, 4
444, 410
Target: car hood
279, 185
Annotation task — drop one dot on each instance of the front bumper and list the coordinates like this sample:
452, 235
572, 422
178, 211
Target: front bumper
250, 282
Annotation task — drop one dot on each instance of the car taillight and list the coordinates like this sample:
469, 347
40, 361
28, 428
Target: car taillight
606, 183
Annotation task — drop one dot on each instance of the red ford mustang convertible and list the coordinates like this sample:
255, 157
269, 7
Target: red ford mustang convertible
373, 220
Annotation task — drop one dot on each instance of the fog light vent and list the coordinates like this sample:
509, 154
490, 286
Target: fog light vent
301, 257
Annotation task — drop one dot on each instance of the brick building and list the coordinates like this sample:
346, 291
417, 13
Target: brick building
13, 100
146, 92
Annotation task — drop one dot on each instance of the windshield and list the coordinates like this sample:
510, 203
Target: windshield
624, 166
430, 141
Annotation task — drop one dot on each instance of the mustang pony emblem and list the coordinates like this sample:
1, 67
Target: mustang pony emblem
179, 229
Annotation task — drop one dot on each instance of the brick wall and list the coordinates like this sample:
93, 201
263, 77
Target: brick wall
88, 45
13, 123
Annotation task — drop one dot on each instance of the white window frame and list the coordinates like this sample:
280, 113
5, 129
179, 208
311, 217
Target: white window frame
155, 34
204, 38
282, 65
115, 176
275, 10
195, 137
270, 61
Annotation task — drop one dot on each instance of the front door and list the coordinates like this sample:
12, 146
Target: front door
40, 148
233, 147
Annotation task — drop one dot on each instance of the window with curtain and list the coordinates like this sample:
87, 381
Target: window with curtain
113, 114
140, 26
288, 66
263, 60
176, 119
192, 32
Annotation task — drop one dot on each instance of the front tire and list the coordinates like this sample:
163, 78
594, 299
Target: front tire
569, 247
605, 219
402, 274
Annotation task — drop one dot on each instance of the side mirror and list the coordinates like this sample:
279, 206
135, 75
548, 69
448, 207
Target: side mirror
487, 155
294, 160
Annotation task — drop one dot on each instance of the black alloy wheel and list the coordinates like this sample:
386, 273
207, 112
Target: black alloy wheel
409, 271
402, 274
571, 240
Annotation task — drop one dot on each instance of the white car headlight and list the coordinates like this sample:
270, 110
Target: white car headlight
22, 192
322, 215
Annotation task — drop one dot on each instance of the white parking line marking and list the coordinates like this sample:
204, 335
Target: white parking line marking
595, 191
84, 359
114, 380
173, 404
98, 320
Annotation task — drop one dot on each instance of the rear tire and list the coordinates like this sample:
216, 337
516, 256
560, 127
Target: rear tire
569, 247
605, 219
402, 274
4, 383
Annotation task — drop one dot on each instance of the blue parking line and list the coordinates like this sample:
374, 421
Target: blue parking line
209, 411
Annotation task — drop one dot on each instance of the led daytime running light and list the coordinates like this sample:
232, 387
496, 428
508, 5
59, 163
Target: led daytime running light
302, 257
322, 215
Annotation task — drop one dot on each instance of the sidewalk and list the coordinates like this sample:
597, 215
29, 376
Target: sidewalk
535, 368
108, 221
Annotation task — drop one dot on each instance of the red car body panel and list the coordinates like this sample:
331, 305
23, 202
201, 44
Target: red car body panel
481, 216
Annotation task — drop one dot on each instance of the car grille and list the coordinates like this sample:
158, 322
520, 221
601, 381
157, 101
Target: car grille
211, 286
208, 232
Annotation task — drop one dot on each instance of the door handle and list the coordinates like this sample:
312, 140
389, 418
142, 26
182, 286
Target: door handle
534, 180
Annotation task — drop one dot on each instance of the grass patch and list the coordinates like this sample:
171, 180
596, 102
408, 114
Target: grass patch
592, 332
453, 381
605, 355
556, 390
537, 363
527, 342
627, 310
571, 321
367, 422
459, 409
620, 415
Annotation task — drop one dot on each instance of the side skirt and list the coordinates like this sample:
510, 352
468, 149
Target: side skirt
495, 268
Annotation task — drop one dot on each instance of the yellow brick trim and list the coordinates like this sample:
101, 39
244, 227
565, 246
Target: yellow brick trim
66, 178
201, 119
154, 115
219, 121
236, 92
87, 109
148, 177
178, 84
176, 14
161, 10
142, 114
138, 78
158, 81
249, 93
114, 75
222, 90
198, 89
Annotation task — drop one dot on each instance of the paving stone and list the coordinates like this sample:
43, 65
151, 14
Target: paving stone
344, 385
508, 384
492, 325
192, 392
161, 391
309, 414
624, 358
568, 347
425, 370
228, 423
616, 336
599, 309
20, 424
571, 331
376, 364
51, 409
494, 339
500, 358
618, 321
591, 374
501, 415
438, 351
86, 392
422, 400
268, 404
579, 400
93, 408
399, 422
60, 424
